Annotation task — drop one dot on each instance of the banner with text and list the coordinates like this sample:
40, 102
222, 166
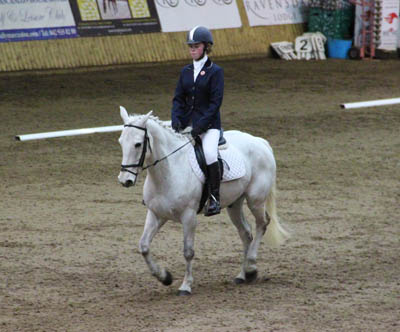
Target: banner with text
113, 17
275, 12
183, 15
35, 19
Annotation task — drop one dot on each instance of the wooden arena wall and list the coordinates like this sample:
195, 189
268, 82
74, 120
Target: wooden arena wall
139, 48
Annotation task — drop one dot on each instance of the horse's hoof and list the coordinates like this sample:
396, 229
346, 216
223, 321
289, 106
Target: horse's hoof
239, 281
184, 293
251, 276
168, 279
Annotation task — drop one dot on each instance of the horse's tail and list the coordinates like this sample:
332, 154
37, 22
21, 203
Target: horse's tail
276, 234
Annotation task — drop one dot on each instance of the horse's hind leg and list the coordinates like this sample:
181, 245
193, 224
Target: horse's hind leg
236, 214
152, 226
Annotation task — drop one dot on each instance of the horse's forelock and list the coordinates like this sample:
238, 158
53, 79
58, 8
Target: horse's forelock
134, 117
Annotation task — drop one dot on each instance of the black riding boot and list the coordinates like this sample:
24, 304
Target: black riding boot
214, 180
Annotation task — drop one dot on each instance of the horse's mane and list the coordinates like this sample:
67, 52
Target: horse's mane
163, 124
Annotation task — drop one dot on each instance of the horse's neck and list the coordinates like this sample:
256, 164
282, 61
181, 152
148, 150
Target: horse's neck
163, 143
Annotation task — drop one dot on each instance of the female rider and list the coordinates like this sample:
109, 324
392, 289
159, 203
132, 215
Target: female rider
197, 101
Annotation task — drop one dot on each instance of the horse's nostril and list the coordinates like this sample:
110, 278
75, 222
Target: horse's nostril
128, 183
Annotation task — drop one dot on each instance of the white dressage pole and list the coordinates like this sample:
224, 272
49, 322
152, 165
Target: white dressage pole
380, 102
72, 132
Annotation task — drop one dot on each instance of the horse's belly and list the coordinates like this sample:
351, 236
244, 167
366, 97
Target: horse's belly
231, 191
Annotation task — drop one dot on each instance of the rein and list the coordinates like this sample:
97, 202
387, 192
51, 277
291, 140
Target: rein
165, 157
143, 155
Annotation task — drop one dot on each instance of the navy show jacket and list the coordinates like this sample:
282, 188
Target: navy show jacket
198, 103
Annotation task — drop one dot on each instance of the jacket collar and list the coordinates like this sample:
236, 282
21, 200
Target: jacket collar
200, 63
206, 66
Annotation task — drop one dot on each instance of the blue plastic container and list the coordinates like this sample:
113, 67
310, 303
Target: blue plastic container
339, 48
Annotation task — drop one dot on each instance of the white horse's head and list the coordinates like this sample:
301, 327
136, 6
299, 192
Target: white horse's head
134, 142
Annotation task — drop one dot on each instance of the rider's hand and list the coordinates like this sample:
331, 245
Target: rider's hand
176, 125
196, 132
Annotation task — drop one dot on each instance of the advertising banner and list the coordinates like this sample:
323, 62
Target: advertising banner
388, 26
113, 17
398, 37
275, 12
35, 19
183, 15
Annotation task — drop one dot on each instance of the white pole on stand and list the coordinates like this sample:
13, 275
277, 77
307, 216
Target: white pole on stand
72, 132
371, 103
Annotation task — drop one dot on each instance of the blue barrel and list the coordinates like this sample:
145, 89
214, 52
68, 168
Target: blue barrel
339, 48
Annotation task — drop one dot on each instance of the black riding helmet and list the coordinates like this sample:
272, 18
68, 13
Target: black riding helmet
199, 34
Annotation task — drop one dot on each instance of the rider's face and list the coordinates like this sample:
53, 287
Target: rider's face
196, 50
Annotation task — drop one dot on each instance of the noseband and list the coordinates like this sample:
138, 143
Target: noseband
124, 168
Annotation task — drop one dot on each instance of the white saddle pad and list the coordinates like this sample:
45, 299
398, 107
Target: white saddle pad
233, 164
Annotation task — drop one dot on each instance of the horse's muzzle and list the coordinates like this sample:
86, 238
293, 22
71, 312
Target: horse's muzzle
126, 179
128, 183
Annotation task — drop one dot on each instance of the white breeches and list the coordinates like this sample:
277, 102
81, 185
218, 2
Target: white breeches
210, 141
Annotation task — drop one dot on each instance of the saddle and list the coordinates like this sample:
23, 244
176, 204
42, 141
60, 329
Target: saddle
198, 150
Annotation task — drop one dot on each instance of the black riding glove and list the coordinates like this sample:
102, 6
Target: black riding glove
196, 132
176, 125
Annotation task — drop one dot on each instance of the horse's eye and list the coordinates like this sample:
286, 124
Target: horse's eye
138, 145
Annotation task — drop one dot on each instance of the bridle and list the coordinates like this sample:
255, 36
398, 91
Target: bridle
124, 168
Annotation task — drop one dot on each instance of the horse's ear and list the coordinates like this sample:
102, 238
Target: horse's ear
124, 114
146, 117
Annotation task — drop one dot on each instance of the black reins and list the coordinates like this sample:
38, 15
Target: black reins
124, 168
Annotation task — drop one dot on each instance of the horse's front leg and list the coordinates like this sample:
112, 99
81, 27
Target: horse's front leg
151, 227
189, 223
